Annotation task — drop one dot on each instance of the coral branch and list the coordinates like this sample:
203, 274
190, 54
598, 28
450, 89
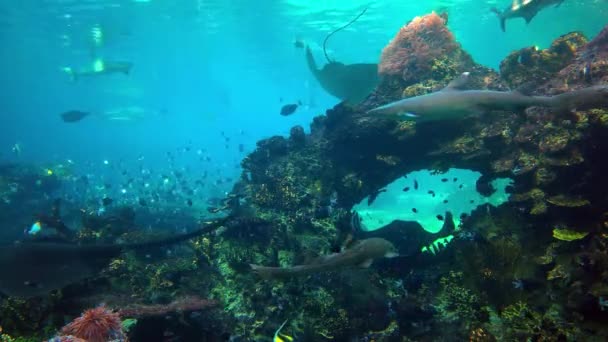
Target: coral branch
185, 304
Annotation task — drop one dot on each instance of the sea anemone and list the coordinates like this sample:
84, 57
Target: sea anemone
99, 324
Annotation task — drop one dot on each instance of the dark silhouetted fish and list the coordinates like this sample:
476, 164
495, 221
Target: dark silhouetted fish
289, 109
361, 254
74, 116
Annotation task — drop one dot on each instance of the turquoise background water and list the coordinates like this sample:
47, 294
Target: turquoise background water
211, 67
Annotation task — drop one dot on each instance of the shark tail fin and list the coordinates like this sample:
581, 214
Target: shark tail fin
500, 17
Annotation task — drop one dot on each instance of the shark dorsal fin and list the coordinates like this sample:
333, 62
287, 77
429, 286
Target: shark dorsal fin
458, 83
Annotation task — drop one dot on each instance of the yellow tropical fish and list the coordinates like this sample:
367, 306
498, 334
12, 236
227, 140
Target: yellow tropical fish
278, 337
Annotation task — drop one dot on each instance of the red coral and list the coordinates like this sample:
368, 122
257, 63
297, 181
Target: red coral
185, 304
96, 325
415, 47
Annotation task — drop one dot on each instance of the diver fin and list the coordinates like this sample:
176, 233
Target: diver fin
459, 82
366, 264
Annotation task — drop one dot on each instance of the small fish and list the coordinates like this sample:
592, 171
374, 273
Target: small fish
406, 189
106, 201
278, 337
143, 202
16, 149
444, 180
440, 217
74, 116
189, 202
299, 44
34, 229
445, 201
213, 210
414, 210
415, 184
32, 284
455, 179
431, 192
289, 108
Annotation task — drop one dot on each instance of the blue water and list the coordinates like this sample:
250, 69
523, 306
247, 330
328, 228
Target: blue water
210, 67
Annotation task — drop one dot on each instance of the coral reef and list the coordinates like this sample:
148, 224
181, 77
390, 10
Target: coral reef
495, 270
532, 64
531, 269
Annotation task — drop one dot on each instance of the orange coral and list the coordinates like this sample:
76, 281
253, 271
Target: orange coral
416, 46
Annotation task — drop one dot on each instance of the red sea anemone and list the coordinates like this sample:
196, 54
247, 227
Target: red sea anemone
99, 324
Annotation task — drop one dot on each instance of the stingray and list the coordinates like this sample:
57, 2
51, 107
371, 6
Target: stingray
351, 83
34, 268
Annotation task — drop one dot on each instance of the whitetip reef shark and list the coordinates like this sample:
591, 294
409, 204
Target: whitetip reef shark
452, 103
526, 9
101, 67
361, 254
